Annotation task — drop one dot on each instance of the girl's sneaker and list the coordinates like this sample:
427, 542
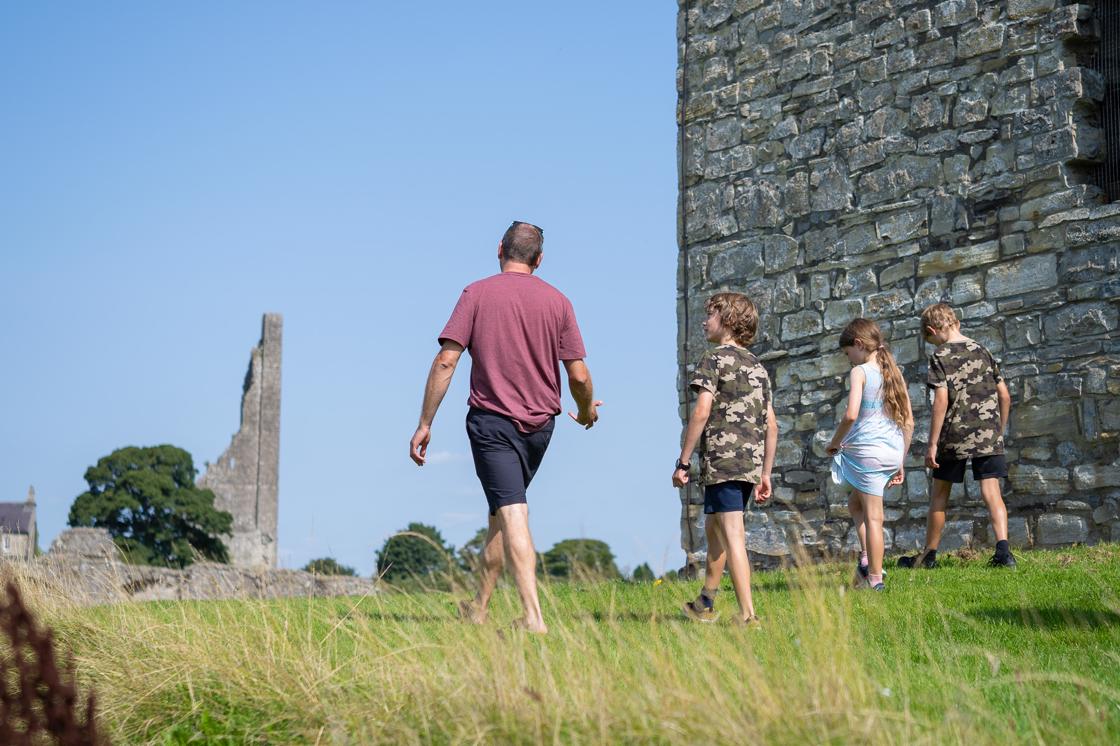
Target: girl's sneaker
698, 611
878, 587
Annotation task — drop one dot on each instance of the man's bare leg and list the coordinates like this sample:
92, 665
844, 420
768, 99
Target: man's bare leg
739, 566
993, 498
519, 549
717, 557
490, 568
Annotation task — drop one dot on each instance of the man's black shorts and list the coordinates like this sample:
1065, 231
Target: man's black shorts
505, 458
983, 467
727, 497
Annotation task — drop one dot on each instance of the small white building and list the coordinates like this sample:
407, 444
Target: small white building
17, 528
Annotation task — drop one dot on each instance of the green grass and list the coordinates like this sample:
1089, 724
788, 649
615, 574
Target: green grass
961, 654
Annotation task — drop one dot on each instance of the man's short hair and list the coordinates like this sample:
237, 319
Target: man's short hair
522, 242
737, 313
939, 316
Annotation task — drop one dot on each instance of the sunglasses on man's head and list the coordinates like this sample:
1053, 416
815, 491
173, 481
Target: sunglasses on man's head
539, 229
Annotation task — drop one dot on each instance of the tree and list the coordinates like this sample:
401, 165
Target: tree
573, 557
147, 499
417, 552
328, 566
470, 554
643, 573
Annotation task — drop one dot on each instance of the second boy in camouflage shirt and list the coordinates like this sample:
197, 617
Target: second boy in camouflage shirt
971, 405
733, 423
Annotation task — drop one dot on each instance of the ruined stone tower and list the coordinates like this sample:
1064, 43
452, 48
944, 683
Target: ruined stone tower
842, 159
245, 479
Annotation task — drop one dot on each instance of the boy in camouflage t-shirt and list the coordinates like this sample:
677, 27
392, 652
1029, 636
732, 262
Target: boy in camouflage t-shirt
733, 421
971, 405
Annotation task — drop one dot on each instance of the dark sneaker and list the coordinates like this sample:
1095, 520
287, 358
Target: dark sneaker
698, 611
878, 587
921, 559
1002, 560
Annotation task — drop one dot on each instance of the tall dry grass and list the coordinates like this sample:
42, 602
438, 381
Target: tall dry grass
619, 665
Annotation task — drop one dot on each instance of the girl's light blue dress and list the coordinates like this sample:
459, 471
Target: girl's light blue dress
871, 452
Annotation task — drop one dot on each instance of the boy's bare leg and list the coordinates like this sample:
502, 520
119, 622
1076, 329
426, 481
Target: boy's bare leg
735, 549
518, 544
873, 518
490, 568
993, 498
717, 556
935, 519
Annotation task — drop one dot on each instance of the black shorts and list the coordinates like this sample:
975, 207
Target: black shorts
983, 467
505, 458
727, 497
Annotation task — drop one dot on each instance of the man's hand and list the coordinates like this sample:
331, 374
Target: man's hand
589, 417
418, 447
898, 477
680, 477
762, 490
931, 457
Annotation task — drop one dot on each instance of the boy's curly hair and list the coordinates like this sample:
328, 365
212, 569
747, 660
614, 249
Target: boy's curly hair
939, 316
736, 312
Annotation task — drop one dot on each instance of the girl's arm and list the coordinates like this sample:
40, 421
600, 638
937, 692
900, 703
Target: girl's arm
855, 396
701, 411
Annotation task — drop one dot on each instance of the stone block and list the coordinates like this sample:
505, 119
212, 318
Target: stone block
801, 324
838, 313
954, 13
896, 273
981, 40
1018, 531
953, 260
1057, 528
740, 260
889, 303
758, 204
780, 252
831, 188
926, 110
1096, 476
957, 535
1022, 276
971, 107
966, 289
1081, 319
1106, 512
1025, 8
930, 292
765, 536
1038, 480
902, 225
789, 453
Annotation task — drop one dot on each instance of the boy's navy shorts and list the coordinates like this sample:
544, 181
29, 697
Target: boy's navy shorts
505, 458
983, 467
727, 497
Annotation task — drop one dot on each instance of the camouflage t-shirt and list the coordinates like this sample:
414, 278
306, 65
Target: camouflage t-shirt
734, 440
970, 373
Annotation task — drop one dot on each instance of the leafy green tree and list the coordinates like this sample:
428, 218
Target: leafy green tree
574, 557
417, 552
328, 566
147, 499
643, 573
470, 554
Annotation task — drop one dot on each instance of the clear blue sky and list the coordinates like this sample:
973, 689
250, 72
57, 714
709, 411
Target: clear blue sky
169, 172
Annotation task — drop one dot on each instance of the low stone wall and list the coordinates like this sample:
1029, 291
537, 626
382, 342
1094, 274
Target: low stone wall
85, 566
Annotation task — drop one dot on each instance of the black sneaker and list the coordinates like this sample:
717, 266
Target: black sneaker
698, 611
1002, 560
921, 559
878, 587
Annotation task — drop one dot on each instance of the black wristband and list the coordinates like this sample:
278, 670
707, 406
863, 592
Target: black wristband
684, 466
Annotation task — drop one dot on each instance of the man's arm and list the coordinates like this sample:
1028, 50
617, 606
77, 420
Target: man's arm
579, 383
1004, 405
936, 421
439, 378
701, 411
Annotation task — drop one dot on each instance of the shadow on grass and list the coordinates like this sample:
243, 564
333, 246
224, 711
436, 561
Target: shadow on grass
1049, 617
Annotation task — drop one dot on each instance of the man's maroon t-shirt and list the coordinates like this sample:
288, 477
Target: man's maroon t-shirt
517, 328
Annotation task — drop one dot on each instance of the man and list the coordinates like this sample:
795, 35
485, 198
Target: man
517, 328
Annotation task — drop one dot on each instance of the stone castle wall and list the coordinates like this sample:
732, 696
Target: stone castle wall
843, 159
245, 479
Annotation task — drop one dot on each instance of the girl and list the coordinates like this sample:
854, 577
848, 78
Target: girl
872, 439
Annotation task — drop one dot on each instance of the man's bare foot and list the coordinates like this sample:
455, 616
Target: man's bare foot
539, 628
471, 612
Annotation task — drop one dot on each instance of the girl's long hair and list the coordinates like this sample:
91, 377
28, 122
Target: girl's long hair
895, 401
